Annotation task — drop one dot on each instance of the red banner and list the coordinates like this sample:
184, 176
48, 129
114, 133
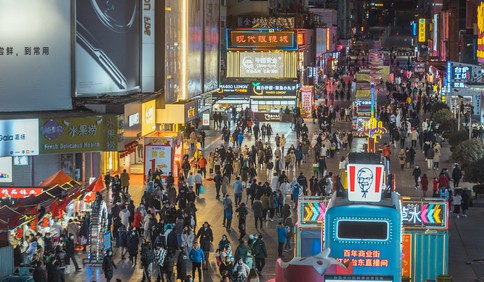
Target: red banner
20, 192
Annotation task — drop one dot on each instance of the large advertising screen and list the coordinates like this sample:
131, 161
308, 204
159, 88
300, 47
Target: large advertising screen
19, 137
263, 64
35, 52
211, 38
107, 47
195, 47
480, 31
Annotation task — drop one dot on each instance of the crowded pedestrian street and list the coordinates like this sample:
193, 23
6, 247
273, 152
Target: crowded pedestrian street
242, 141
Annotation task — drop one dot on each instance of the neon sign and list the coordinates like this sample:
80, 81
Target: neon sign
261, 39
430, 215
367, 258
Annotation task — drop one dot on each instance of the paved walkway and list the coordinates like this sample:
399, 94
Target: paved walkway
466, 234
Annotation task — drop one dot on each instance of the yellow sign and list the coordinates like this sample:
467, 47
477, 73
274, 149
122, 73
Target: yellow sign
76, 135
422, 30
148, 119
480, 32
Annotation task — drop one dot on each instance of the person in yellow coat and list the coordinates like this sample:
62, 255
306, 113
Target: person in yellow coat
124, 181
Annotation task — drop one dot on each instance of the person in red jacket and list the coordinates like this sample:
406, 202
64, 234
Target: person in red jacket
137, 220
202, 164
443, 181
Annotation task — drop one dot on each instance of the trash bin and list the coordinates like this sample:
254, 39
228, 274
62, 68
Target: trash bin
444, 278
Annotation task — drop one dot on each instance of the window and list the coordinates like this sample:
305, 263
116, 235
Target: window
363, 230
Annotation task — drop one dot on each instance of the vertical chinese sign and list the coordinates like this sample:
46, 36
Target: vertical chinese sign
307, 99
422, 30
407, 255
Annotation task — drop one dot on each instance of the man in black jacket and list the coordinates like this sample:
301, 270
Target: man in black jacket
70, 251
182, 264
303, 181
260, 253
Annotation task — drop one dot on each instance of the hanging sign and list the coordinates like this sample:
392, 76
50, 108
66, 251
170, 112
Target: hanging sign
20, 192
365, 182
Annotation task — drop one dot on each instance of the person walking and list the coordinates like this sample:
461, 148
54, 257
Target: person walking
429, 155
281, 238
260, 253
197, 257
456, 175
258, 212
108, 265
417, 172
238, 189
70, 251
227, 202
424, 183
198, 183
133, 242
242, 212
125, 181
182, 264
146, 260
205, 235
401, 158
457, 201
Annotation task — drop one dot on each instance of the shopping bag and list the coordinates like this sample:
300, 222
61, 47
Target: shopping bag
202, 190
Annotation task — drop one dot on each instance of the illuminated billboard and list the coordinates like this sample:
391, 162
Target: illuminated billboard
261, 39
422, 30
107, 47
480, 32
261, 64
19, 137
35, 55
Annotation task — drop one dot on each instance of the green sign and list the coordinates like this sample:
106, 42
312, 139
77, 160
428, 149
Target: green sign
77, 135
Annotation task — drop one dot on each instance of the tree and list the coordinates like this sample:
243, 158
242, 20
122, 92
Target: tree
474, 172
445, 122
456, 137
438, 106
468, 152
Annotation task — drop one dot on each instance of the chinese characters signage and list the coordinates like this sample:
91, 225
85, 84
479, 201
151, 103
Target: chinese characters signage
307, 98
407, 255
261, 64
260, 39
365, 182
84, 134
422, 30
421, 214
480, 31
368, 258
19, 192
33, 35
19, 137
458, 74
158, 157
259, 88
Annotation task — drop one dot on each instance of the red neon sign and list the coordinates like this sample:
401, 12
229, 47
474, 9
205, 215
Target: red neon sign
20, 192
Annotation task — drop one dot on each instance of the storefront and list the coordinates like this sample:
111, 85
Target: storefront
83, 147
265, 99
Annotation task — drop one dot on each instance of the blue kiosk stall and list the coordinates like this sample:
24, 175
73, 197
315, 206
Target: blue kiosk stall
425, 238
364, 226
310, 219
